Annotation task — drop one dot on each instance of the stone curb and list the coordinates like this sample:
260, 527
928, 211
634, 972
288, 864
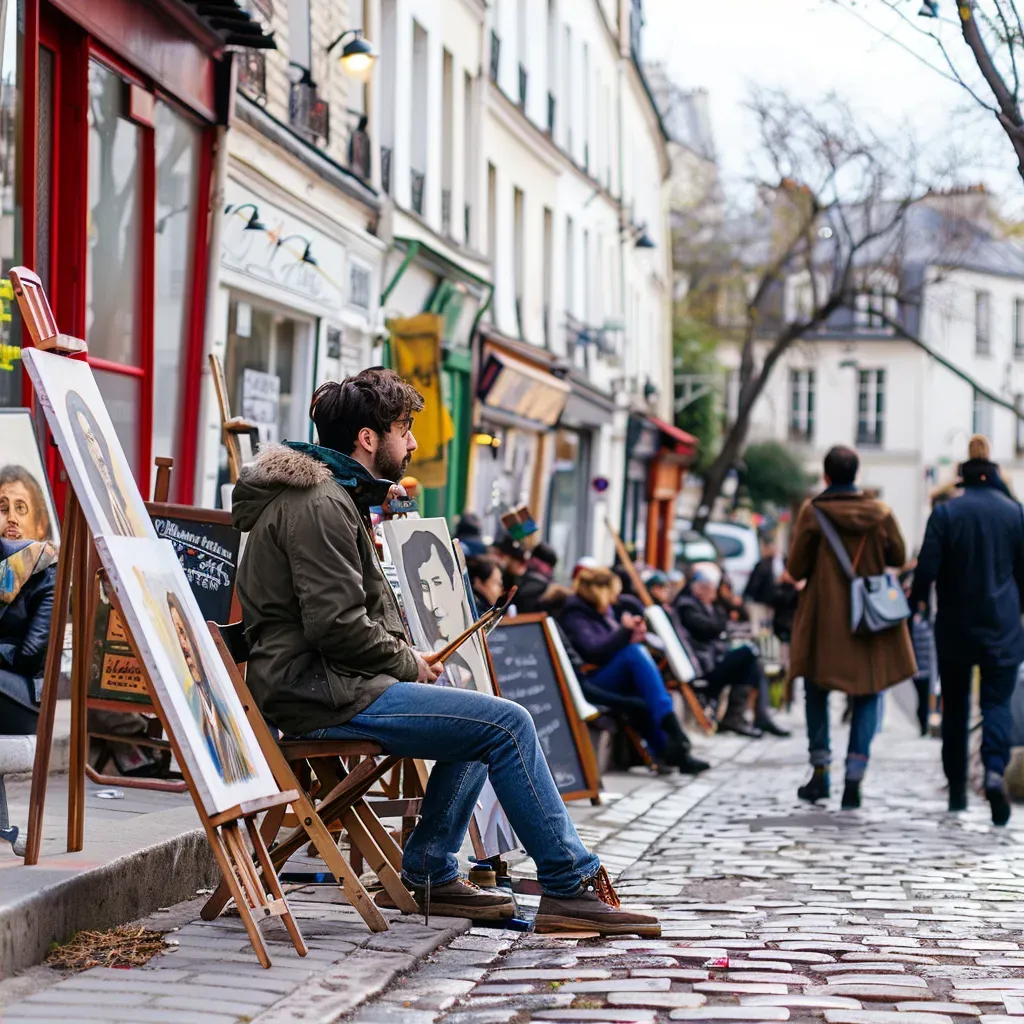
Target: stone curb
106, 895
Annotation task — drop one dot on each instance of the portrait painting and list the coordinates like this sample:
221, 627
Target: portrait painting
26, 505
92, 454
436, 603
193, 687
678, 661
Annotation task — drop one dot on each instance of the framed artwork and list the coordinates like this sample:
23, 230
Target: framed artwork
92, 453
191, 683
435, 601
26, 505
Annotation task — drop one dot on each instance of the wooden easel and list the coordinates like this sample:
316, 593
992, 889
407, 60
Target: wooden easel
255, 900
694, 705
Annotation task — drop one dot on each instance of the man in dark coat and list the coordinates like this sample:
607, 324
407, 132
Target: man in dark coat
824, 651
973, 552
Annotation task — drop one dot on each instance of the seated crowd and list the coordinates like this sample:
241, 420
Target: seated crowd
617, 657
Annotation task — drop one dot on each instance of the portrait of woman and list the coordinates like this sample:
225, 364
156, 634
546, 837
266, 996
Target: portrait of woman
223, 739
99, 469
438, 601
23, 510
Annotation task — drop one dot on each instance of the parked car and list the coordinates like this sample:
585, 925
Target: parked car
735, 544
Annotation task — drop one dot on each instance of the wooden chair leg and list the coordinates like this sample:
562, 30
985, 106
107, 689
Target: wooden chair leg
698, 712
364, 842
383, 838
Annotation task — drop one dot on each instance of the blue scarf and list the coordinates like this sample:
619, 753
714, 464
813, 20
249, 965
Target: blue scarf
367, 490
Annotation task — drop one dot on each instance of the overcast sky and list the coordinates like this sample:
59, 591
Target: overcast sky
811, 47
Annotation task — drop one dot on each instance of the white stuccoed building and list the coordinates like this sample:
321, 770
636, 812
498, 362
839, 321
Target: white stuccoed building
910, 417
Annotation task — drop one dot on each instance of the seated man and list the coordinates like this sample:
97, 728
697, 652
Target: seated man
330, 660
705, 619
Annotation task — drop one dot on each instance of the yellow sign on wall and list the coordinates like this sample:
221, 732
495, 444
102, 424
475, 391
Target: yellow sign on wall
416, 355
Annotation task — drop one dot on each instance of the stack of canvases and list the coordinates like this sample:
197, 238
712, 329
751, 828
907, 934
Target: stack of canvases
201, 710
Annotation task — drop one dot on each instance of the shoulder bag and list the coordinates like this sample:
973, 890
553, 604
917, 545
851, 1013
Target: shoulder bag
877, 603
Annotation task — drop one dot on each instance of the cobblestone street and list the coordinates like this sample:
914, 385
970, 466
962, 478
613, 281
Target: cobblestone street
894, 914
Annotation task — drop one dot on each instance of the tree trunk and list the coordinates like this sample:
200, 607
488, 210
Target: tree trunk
714, 479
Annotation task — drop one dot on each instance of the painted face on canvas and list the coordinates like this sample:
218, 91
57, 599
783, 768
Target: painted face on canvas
19, 517
440, 597
185, 640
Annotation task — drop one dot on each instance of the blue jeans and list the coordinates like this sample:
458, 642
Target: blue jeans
632, 672
472, 735
997, 685
862, 730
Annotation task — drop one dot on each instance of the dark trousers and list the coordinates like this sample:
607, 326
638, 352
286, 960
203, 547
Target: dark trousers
740, 670
997, 684
18, 715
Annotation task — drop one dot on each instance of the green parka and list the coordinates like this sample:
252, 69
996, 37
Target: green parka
325, 631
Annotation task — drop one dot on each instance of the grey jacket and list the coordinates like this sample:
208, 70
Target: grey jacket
325, 631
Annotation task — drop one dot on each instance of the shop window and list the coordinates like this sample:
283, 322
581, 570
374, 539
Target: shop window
359, 285
177, 170
801, 405
870, 406
113, 248
10, 200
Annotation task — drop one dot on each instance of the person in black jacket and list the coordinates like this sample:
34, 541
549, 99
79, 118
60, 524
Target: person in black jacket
28, 571
973, 552
705, 620
540, 571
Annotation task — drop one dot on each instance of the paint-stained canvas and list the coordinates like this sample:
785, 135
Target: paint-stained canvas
89, 447
192, 685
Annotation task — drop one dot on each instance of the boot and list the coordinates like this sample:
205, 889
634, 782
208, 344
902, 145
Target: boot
595, 909
995, 793
457, 899
734, 720
765, 723
817, 789
851, 795
677, 752
957, 798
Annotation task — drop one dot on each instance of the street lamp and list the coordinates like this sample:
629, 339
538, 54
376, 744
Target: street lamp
307, 255
357, 55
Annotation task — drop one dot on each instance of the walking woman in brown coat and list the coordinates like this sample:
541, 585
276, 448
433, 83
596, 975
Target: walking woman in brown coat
824, 651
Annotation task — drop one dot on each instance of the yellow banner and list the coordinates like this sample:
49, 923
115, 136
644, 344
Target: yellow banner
416, 355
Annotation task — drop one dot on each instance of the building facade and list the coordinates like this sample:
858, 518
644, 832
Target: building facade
858, 382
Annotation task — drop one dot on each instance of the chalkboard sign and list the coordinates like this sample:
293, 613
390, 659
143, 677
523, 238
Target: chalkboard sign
527, 671
208, 548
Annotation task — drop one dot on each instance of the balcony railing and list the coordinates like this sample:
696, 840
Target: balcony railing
252, 74
385, 168
524, 78
418, 181
495, 55
309, 114
552, 108
446, 211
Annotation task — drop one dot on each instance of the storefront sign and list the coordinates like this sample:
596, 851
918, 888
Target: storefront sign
261, 400
269, 245
416, 355
516, 387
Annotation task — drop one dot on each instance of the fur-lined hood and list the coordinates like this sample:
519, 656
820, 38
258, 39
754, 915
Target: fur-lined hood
275, 468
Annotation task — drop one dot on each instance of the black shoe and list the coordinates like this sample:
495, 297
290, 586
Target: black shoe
817, 789
995, 793
957, 799
766, 725
851, 795
677, 745
739, 726
691, 765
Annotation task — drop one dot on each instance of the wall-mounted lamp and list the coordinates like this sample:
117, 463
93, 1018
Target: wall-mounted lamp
307, 255
929, 9
357, 55
255, 224
644, 241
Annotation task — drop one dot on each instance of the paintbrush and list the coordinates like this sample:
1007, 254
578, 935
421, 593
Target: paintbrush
441, 656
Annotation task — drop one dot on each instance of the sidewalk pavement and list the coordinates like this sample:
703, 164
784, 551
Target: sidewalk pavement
895, 914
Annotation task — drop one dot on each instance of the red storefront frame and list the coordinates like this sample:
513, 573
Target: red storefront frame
154, 51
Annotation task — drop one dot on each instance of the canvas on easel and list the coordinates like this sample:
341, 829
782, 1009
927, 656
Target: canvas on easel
104, 506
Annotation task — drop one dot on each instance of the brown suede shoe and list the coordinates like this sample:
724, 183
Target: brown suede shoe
596, 909
457, 899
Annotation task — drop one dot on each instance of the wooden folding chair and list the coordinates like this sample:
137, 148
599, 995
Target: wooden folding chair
293, 762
